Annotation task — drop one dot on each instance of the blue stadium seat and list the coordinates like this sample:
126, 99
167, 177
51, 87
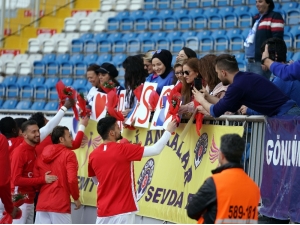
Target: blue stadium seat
194, 12
230, 19
39, 68
207, 3
191, 4
173, 60
177, 44
288, 39
87, 36
222, 3
163, 4
104, 46
177, 4
24, 105
91, 58
1, 103
165, 13
221, 41
52, 95
26, 92
63, 58
40, 92
192, 43
189, 34
90, 46
88, 86
104, 58
80, 69
68, 81
293, 16
289, 55
119, 46
144, 35
295, 31
11, 79
200, 22
115, 36
237, 2
185, 22
296, 56
130, 35
236, 40
174, 34
136, 13
244, 16
12, 91
79, 83
140, 23
162, 43
149, 4
51, 106
113, 24
289, 6
52, 68
123, 14
100, 36
240, 57
133, 45
126, 24
37, 81
150, 13
206, 43
253, 10
39, 106
158, 35
82, 90
76, 58
180, 12
118, 59
147, 44
49, 58
10, 104
155, 23
215, 21
51, 82
242, 66
66, 68
77, 45
2, 91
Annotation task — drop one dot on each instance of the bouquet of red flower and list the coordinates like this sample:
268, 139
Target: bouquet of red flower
82, 105
18, 200
153, 100
112, 102
108, 86
65, 92
199, 118
174, 99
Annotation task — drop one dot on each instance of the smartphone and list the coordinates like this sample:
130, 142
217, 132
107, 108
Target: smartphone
198, 83
272, 50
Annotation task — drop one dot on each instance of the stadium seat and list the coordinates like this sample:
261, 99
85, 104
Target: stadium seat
40, 92
289, 56
236, 40
293, 16
91, 58
286, 6
155, 23
158, 35
119, 46
77, 46
25, 68
72, 36
242, 66
10, 104
215, 21
163, 4
24, 105
34, 45
10, 80
37, 81
39, 68
70, 24
104, 58
222, 3
206, 43
66, 69
189, 34
295, 31
147, 44
35, 57
48, 46
100, 37
174, 34
136, 5
1, 102
185, 22
136, 13
104, 46
80, 69
49, 58
52, 94
67, 81
21, 57
177, 44
107, 5
2, 91
51, 106
115, 36
296, 56
10, 67
118, 59
289, 40
140, 24
144, 35
86, 36
230, 19
192, 4
79, 14
51, 82
122, 5
76, 58
240, 57
244, 16
206, 3
170, 23
99, 24
26, 92
177, 4
200, 22
39, 106
133, 45
90, 46
150, 13
126, 24
79, 83
12, 91
23, 80
162, 43
52, 68
128, 36
62, 46
221, 41
149, 4
7, 57
113, 24
192, 43
62, 58
57, 36
84, 24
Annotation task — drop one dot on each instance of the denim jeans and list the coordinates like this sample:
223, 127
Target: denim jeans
255, 67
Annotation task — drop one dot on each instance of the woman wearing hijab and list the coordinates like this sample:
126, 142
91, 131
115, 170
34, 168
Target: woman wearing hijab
161, 62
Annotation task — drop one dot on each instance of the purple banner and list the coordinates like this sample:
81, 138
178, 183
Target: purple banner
280, 188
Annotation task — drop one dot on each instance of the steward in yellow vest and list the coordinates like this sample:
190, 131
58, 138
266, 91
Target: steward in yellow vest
229, 195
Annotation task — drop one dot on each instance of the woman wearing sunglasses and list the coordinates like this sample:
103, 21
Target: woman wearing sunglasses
161, 62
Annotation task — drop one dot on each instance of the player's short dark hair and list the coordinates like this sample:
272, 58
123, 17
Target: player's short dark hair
227, 62
233, 147
277, 49
39, 118
28, 123
105, 125
7, 126
58, 132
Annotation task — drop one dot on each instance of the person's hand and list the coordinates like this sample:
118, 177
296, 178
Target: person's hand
171, 127
199, 97
77, 204
69, 103
50, 178
15, 212
266, 52
125, 112
182, 109
243, 110
264, 68
85, 121
200, 109
205, 92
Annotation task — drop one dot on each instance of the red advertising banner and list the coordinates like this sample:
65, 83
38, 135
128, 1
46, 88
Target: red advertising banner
76, 11
10, 51
29, 13
46, 30
7, 32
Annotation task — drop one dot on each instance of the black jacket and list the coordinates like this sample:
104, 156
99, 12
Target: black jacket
205, 200
270, 25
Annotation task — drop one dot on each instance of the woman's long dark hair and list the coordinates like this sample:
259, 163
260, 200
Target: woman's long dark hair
135, 74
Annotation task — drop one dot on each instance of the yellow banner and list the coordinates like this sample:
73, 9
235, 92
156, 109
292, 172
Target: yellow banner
164, 183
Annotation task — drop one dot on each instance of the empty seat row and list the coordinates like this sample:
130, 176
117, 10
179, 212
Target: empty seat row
14, 104
121, 5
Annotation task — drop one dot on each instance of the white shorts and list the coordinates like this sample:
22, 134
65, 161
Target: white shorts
52, 218
27, 214
126, 218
